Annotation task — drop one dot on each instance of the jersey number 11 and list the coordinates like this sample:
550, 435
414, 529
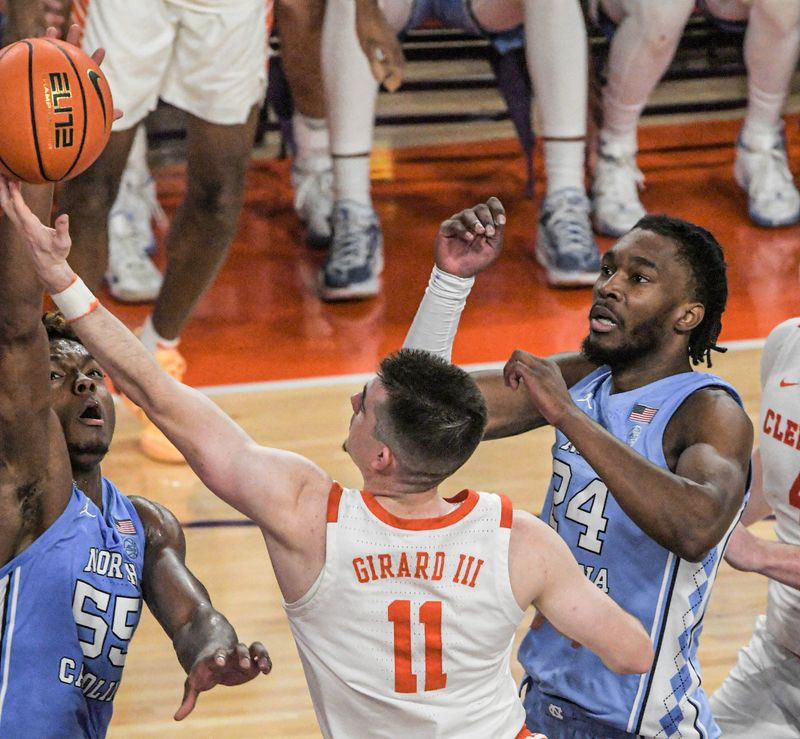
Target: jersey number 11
430, 616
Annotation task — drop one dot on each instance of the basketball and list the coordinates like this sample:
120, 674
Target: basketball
55, 110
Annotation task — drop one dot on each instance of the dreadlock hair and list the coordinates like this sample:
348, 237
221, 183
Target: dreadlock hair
433, 417
701, 252
57, 327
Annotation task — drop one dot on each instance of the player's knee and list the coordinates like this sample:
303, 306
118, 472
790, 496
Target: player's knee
219, 199
661, 24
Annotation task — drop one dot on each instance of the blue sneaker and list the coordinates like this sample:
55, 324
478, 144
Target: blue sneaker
565, 246
355, 260
763, 173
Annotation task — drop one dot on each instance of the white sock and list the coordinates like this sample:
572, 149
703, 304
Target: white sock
564, 160
310, 136
763, 117
351, 179
152, 340
137, 158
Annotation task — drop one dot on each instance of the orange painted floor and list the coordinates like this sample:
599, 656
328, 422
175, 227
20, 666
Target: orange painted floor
262, 320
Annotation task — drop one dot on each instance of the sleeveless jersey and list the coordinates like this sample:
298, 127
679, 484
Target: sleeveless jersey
780, 452
667, 594
70, 604
408, 628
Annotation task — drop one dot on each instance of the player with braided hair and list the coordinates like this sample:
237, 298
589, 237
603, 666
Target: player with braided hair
650, 468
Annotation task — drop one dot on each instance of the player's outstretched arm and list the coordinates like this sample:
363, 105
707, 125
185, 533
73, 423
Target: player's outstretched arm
687, 510
544, 572
750, 553
267, 485
205, 643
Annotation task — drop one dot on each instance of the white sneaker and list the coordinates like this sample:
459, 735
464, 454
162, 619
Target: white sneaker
312, 180
763, 173
615, 190
137, 199
131, 275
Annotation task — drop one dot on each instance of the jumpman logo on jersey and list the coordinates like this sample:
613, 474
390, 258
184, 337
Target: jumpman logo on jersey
85, 511
586, 399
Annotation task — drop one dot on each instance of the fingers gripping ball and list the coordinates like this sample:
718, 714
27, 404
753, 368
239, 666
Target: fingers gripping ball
55, 110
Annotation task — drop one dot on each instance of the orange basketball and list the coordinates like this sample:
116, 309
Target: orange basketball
55, 110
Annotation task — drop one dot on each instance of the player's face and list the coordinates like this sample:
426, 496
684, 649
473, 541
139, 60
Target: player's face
82, 402
361, 443
641, 292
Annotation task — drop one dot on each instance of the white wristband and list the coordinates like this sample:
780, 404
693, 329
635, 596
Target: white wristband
434, 326
76, 301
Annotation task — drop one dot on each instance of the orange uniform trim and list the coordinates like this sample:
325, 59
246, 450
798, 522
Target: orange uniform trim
506, 512
525, 732
334, 496
467, 498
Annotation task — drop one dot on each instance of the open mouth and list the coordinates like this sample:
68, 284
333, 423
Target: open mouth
602, 320
91, 415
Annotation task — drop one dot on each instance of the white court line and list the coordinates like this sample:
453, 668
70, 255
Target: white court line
359, 379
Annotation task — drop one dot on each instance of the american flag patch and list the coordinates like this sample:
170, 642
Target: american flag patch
125, 526
642, 413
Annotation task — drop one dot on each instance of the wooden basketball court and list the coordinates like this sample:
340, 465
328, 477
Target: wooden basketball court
261, 324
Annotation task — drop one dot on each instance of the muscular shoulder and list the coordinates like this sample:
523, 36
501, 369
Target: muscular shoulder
710, 415
160, 525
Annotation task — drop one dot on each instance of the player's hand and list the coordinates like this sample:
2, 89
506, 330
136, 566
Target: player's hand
469, 241
31, 20
48, 247
380, 45
74, 33
544, 382
232, 666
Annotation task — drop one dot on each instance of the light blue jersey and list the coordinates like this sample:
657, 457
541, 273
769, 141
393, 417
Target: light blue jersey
667, 594
70, 604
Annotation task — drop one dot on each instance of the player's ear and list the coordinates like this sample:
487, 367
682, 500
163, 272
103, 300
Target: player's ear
384, 459
690, 318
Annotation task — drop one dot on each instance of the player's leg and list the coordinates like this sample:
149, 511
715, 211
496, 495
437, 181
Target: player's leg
771, 47
131, 275
647, 34
218, 76
300, 26
761, 695
556, 50
124, 29
355, 260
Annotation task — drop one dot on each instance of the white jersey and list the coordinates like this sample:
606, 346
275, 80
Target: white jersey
408, 628
780, 452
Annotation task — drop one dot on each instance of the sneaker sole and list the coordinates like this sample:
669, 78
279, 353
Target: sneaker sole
130, 296
358, 291
605, 229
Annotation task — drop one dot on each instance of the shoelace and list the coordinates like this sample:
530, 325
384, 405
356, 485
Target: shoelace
349, 248
569, 221
620, 179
